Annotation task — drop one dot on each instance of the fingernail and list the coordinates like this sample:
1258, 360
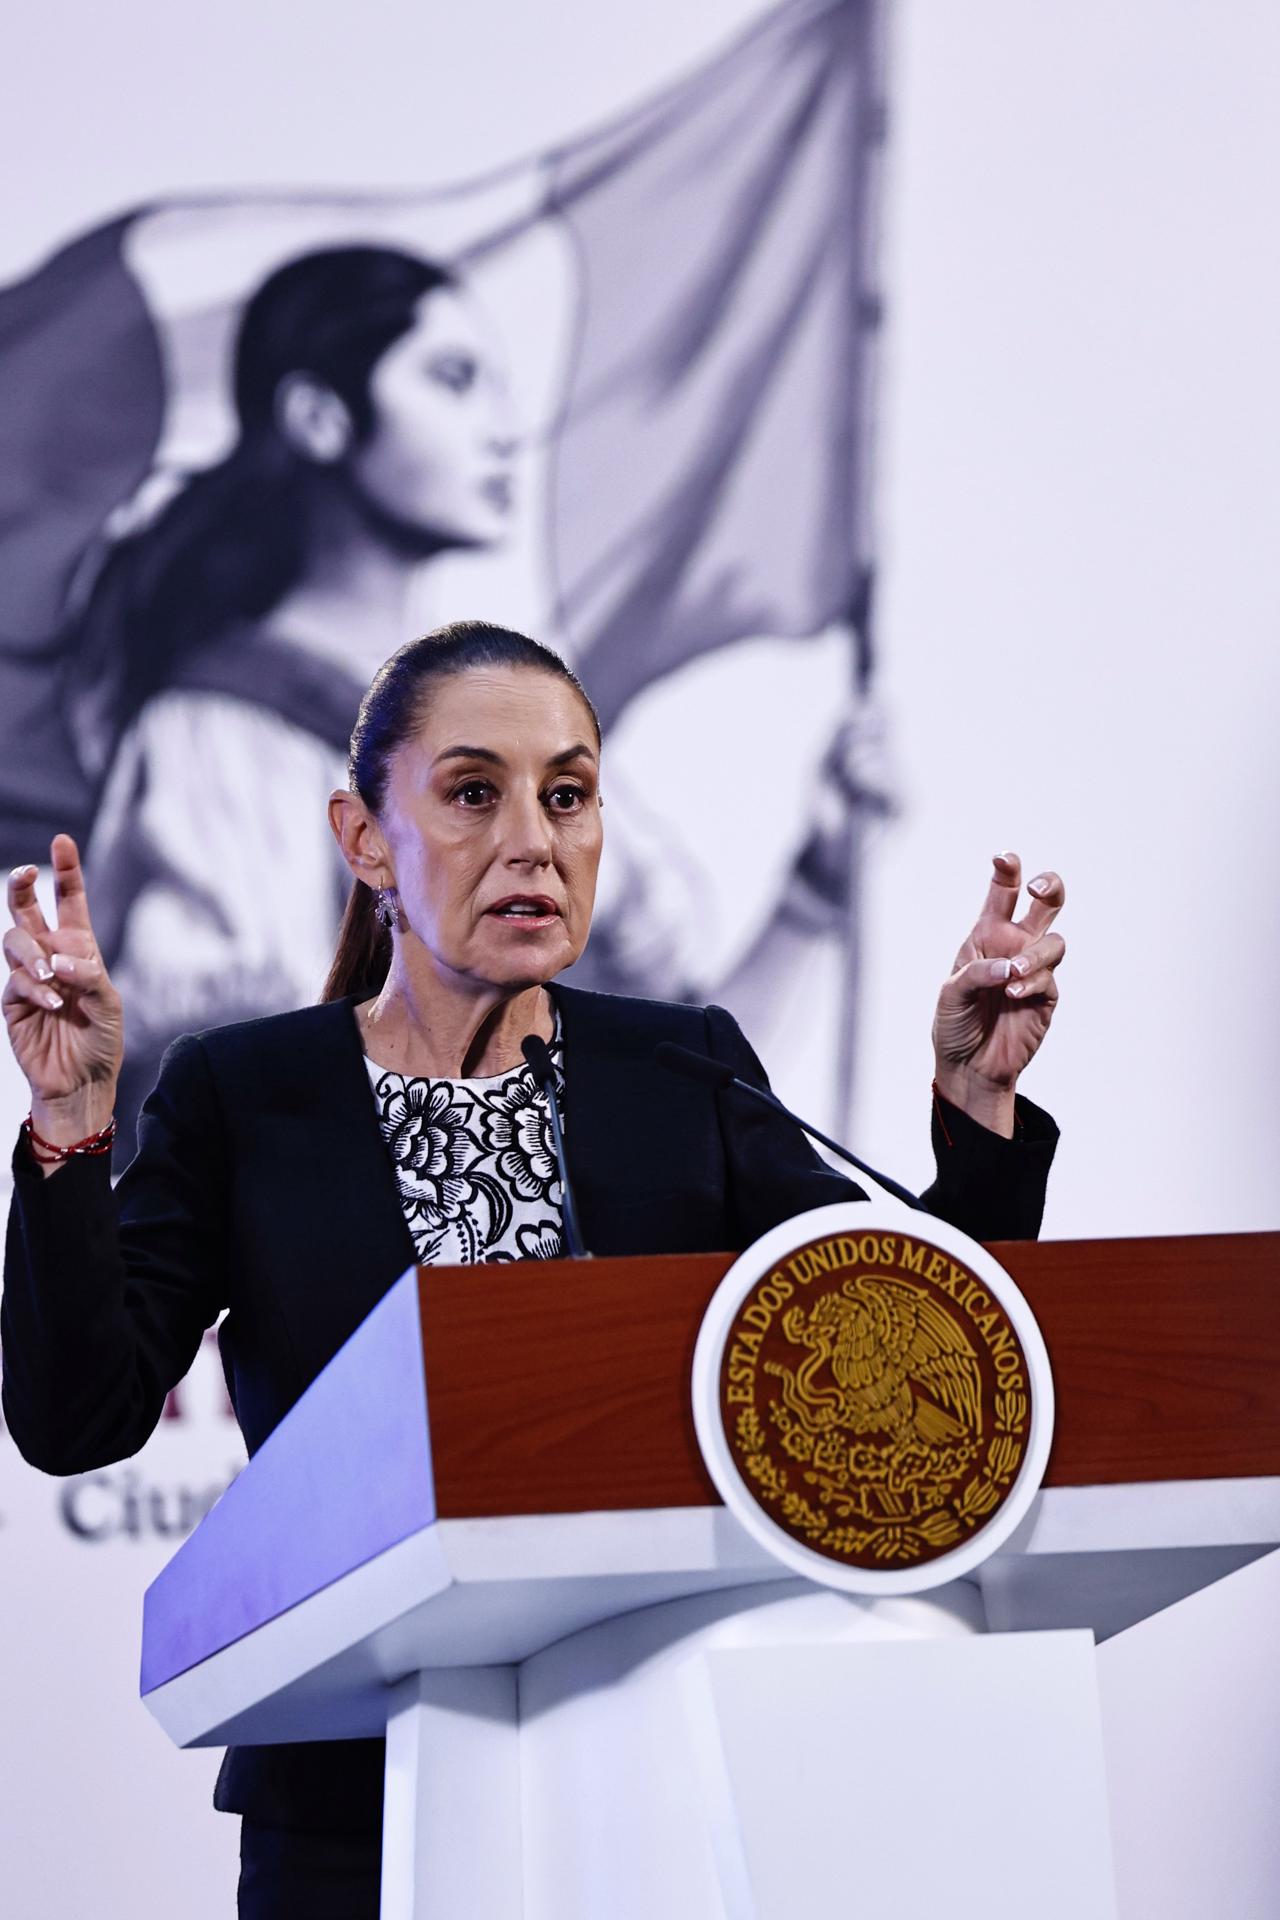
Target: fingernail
1015, 991
1000, 969
1020, 965
63, 964
43, 971
53, 1001
23, 873
1041, 885
1006, 855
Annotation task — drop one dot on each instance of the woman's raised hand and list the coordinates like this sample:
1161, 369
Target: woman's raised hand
995, 1009
63, 1014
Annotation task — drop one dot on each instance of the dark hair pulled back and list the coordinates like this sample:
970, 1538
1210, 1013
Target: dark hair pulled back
233, 541
391, 713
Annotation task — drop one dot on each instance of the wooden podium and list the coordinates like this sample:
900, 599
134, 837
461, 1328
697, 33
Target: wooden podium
487, 1529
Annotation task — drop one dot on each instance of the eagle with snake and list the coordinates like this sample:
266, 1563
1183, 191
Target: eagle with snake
884, 1359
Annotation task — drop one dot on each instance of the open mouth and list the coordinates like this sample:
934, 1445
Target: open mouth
526, 910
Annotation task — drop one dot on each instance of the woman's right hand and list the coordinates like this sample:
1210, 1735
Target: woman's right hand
64, 1017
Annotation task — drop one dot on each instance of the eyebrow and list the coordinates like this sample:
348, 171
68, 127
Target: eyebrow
576, 752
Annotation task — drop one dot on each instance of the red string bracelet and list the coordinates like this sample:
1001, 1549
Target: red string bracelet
48, 1154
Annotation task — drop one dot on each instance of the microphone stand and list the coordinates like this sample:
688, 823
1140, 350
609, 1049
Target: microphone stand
538, 1058
697, 1066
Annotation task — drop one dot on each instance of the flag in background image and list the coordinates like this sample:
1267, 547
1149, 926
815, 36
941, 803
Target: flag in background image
721, 238
81, 407
684, 314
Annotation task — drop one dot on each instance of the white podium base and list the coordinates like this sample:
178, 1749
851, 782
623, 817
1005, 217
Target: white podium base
451, 1806
756, 1755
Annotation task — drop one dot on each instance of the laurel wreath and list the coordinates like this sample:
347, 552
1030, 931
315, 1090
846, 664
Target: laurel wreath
901, 1541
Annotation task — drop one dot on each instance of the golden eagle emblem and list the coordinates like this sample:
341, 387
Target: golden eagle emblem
878, 1406
883, 1359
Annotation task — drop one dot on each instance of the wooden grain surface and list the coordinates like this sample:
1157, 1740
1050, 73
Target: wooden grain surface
1165, 1354
563, 1386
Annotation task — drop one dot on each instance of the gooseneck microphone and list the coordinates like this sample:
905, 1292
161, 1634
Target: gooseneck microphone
714, 1073
539, 1063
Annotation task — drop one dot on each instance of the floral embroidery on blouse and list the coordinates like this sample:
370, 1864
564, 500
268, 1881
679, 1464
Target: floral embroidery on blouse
474, 1163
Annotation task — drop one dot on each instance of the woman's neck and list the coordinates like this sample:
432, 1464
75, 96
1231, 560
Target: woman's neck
352, 604
447, 1030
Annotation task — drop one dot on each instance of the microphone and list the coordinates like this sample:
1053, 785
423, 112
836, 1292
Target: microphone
714, 1073
539, 1063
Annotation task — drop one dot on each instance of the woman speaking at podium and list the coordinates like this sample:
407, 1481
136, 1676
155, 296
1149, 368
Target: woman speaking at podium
289, 1169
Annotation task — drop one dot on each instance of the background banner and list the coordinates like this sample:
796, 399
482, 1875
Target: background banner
615, 395
662, 336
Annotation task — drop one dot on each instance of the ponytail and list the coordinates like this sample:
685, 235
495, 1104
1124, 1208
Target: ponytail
363, 957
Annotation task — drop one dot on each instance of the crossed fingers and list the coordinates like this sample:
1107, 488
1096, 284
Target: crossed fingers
1030, 971
39, 956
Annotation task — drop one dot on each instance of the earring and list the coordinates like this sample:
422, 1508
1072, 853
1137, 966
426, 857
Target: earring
386, 906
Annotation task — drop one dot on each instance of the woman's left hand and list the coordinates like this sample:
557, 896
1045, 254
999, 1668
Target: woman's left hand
995, 1009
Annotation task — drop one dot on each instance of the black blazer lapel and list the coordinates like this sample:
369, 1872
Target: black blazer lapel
599, 1125
319, 1126
645, 1154
361, 1161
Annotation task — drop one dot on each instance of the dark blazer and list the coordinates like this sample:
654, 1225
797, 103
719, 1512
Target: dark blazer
262, 1185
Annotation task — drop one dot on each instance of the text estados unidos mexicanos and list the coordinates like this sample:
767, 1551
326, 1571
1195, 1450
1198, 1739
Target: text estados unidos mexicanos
869, 1250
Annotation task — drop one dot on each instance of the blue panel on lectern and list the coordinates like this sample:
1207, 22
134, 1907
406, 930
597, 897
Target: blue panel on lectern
346, 1475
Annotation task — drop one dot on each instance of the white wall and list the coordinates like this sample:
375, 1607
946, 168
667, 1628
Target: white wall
1081, 611
1079, 497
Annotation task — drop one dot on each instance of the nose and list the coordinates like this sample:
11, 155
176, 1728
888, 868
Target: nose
527, 836
502, 435
501, 440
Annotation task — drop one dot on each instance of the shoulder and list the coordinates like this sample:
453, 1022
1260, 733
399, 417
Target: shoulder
194, 766
177, 720
628, 1023
629, 1028
300, 1045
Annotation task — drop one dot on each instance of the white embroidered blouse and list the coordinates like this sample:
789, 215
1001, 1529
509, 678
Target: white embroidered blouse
474, 1163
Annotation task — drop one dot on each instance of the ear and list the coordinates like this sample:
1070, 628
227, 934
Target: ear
313, 420
360, 838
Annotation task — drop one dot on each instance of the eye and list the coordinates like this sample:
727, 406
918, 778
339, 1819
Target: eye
456, 371
565, 798
473, 793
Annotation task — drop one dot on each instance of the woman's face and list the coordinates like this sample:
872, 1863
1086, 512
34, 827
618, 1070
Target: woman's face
438, 462
492, 822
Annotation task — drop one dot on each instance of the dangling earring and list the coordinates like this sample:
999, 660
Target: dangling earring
386, 903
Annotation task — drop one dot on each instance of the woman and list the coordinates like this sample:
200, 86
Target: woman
218, 667
288, 1170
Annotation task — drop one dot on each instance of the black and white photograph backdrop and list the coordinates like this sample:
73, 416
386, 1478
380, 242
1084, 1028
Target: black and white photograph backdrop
872, 399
